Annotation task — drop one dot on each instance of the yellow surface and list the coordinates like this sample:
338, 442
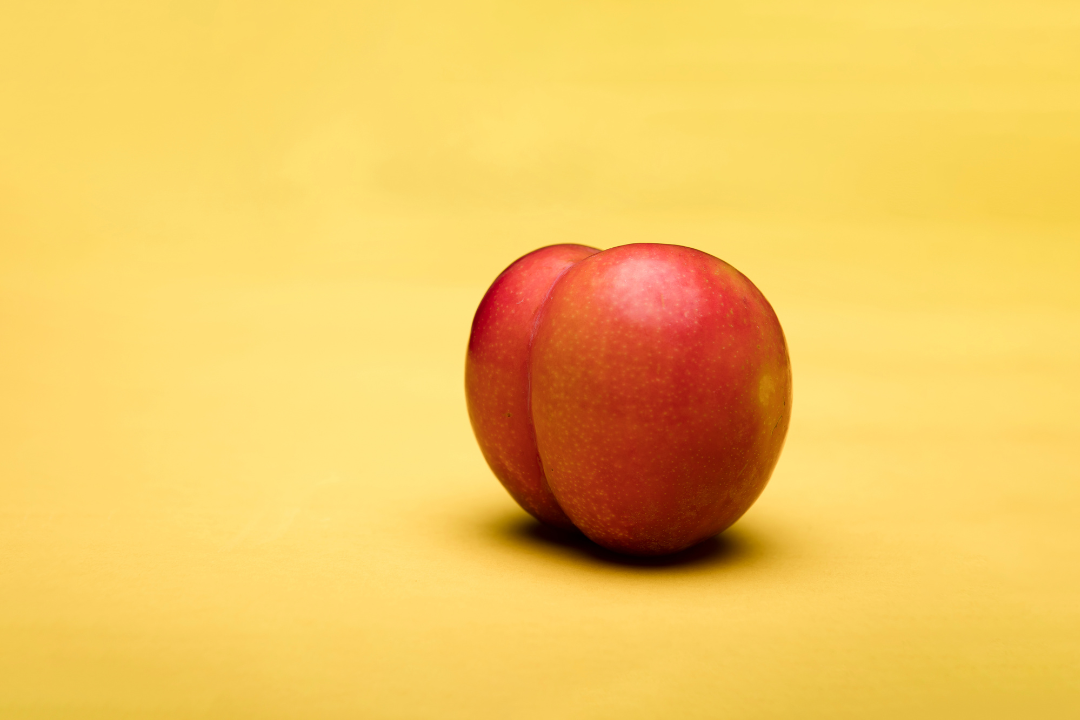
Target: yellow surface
240, 248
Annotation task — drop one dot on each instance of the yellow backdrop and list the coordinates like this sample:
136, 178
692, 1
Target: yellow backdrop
240, 248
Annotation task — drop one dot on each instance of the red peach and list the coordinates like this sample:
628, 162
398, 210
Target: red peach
657, 390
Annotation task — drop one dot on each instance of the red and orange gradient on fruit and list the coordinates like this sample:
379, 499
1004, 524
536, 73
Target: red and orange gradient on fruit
640, 394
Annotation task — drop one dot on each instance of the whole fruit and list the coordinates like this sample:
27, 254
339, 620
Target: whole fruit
641, 394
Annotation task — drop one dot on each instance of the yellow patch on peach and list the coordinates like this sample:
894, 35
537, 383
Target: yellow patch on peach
766, 388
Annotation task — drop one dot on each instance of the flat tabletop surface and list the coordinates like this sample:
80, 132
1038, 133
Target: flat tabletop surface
240, 249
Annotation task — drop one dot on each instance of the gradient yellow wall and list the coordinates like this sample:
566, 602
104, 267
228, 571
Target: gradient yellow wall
240, 248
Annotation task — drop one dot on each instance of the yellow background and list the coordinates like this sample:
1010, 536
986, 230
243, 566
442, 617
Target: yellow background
240, 248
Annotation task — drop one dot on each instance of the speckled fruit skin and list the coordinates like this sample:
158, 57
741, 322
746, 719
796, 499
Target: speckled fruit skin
657, 386
497, 375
